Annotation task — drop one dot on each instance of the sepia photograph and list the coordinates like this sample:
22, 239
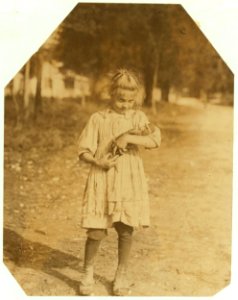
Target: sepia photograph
118, 157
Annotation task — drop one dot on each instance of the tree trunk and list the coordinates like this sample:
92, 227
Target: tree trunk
17, 96
38, 98
148, 87
165, 92
26, 97
151, 77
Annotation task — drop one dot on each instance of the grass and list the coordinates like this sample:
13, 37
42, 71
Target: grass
62, 121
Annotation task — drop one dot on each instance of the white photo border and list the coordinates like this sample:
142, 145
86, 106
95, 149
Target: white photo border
21, 19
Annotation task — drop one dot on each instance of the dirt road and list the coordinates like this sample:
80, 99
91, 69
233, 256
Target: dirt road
186, 251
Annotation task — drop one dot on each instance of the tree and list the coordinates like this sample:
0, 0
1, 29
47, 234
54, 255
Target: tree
160, 41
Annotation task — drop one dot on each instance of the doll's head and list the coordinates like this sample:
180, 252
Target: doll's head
125, 89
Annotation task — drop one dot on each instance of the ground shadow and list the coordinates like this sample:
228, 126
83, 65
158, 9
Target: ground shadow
27, 254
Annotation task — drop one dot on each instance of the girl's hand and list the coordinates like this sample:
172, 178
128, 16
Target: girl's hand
107, 162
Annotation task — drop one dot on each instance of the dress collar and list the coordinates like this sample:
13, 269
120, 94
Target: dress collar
128, 114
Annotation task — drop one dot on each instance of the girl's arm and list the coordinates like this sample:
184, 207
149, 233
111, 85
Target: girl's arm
106, 162
150, 139
141, 140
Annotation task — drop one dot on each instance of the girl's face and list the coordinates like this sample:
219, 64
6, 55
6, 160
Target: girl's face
124, 100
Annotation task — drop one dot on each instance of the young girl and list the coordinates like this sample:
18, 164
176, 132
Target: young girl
116, 191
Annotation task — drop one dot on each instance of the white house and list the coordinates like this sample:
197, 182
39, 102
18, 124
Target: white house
61, 85
54, 84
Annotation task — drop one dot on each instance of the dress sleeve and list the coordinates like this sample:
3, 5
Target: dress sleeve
149, 129
155, 134
88, 140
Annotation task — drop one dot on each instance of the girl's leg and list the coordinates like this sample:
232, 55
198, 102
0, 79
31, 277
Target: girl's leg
124, 242
92, 245
91, 248
120, 285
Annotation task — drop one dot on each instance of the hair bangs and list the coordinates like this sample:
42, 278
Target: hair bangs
124, 79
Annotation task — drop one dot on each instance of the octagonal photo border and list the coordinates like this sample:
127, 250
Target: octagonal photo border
216, 32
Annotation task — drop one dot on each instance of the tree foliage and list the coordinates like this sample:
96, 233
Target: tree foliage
160, 41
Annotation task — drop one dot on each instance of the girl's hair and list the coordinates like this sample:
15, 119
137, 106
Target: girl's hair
126, 80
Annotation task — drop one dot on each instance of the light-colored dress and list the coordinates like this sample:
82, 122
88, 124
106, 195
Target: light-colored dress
118, 194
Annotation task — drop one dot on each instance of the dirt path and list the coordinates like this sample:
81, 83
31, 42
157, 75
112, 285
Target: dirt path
186, 251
